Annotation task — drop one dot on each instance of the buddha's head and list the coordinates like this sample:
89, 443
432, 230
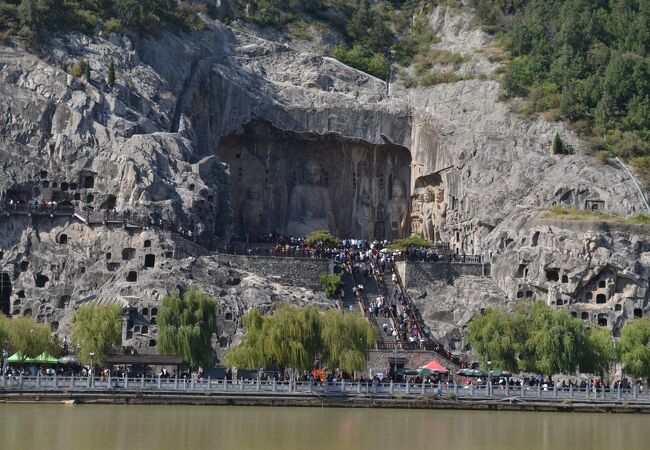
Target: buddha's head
398, 190
313, 172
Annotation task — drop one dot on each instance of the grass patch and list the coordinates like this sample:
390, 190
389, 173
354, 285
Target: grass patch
559, 213
433, 77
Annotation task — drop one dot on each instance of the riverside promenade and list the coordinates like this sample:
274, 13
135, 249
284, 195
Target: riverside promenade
333, 394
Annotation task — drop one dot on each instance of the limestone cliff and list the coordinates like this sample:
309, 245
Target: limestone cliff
203, 128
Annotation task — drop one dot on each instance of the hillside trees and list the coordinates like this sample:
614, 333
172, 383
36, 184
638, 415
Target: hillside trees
588, 60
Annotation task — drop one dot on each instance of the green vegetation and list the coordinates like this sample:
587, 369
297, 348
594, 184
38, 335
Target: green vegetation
330, 283
634, 348
185, 326
96, 329
30, 17
296, 338
536, 338
27, 336
589, 61
558, 212
322, 238
410, 242
560, 147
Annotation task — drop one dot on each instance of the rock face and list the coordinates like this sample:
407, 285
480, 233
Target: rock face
220, 132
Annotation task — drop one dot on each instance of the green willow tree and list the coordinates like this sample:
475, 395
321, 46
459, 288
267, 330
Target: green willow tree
634, 348
536, 338
497, 336
96, 329
296, 338
30, 338
185, 326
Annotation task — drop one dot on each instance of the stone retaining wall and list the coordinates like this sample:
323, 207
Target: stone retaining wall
418, 274
303, 272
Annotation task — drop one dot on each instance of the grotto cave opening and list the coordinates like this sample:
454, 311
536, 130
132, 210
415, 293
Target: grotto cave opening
294, 183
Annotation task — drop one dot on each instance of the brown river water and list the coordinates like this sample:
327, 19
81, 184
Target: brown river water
96, 427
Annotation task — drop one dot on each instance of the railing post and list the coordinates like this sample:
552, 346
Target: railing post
159, 382
471, 390
142, 382
539, 390
635, 391
554, 390
241, 384
38, 379
275, 385
408, 388
20, 381
523, 391
110, 380
89, 380
342, 385
209, 383
587, 389
391, 388
4, 379
359, 387
72, 380
259, 381
507, 388
126, 381
570, 390
56, 381
423, 388
618, 391
192, 381
225, 383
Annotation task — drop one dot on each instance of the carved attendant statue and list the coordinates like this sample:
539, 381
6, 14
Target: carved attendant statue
252, 212
309, 205
439, 212
365, 216
397, 212
428, 215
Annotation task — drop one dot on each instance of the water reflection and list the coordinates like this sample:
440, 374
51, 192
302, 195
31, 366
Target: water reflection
184, 427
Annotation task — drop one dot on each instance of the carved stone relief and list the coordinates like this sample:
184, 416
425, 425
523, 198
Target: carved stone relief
294, 184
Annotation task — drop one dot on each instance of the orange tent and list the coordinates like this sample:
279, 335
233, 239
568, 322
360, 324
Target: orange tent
434, 366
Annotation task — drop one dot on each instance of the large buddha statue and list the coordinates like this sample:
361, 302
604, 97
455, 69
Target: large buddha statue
310, 208
397, 212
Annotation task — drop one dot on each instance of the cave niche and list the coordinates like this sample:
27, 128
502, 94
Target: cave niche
276, 173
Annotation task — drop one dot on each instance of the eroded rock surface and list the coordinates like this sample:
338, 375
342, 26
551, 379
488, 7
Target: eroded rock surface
212, 131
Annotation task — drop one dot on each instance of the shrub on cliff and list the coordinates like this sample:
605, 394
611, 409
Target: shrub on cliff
330, 283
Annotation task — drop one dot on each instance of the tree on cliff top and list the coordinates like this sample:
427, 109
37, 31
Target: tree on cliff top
185, 326
322, 238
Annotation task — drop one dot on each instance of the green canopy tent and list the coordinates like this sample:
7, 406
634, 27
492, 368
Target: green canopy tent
45, 358
500, 373
19, 358
472, 373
